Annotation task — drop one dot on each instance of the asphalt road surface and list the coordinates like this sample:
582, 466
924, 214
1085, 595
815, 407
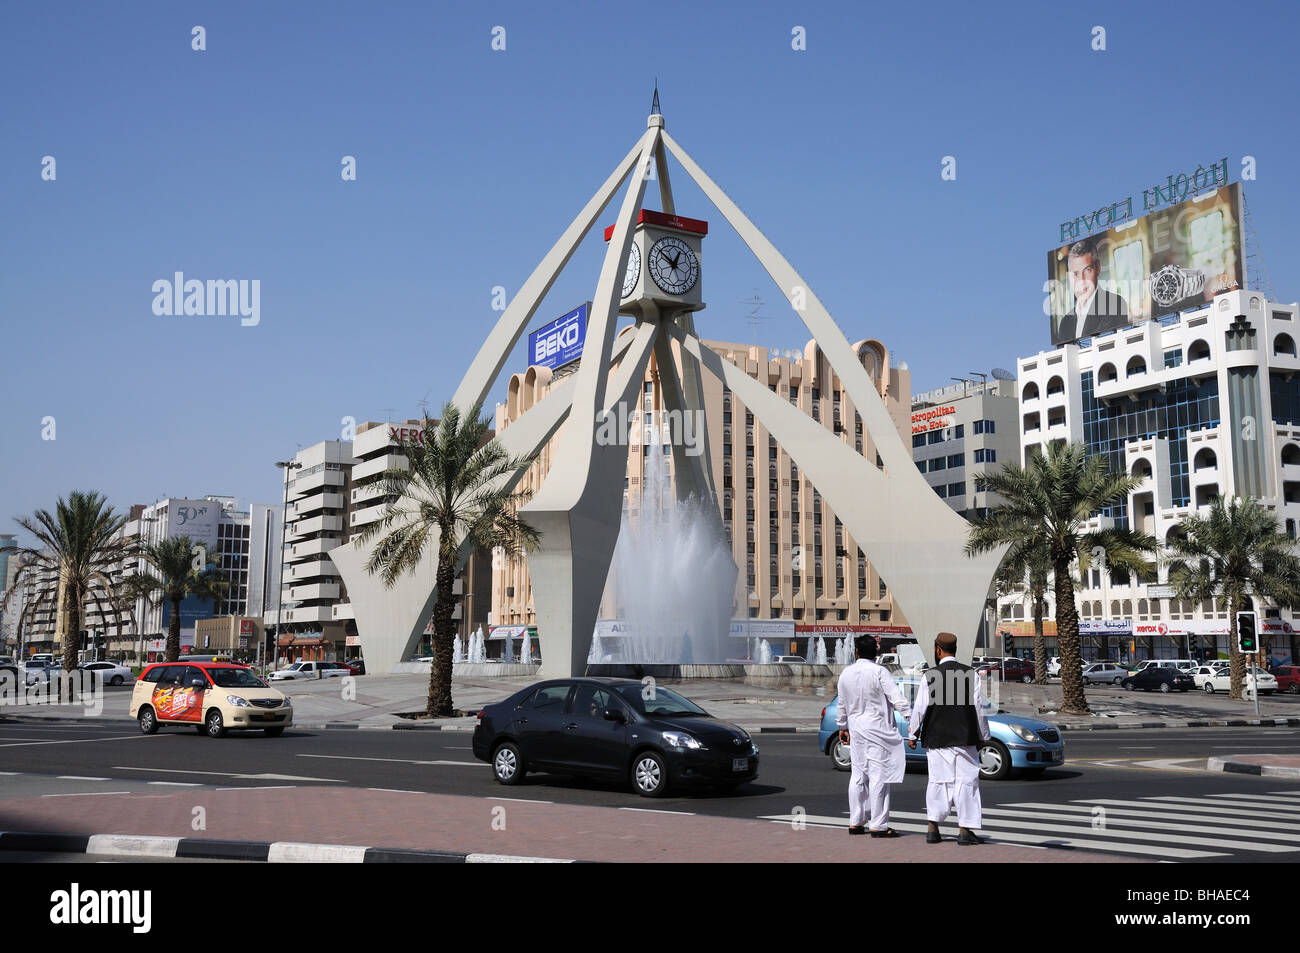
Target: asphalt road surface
1141, 794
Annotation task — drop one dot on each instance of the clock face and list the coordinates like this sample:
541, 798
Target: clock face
633, 269
673, 265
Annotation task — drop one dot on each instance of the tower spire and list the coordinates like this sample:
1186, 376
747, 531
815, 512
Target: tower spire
654, 106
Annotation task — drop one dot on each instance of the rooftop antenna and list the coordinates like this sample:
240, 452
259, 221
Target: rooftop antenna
756, 304
388, 413
654, 106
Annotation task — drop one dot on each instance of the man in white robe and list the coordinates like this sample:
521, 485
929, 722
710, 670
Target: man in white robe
950, 721
868, 697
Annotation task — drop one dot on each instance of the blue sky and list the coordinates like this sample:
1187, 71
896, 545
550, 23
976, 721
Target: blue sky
375, 293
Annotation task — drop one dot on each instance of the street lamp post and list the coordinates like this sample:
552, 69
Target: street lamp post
286, 466
144, 602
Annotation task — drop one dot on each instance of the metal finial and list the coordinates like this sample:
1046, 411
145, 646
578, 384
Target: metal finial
654, 106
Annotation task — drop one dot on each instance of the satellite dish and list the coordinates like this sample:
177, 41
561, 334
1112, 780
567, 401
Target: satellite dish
1002, 374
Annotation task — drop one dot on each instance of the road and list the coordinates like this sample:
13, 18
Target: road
1137, 794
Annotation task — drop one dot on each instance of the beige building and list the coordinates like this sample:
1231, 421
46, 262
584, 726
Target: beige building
796, 562
228, 635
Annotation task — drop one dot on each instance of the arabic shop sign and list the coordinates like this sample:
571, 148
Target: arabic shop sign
1175, 189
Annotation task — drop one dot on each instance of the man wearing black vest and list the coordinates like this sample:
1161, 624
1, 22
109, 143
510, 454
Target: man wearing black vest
949, 719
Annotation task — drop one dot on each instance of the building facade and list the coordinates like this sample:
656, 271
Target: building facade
960, 434
796, 562
1199, 404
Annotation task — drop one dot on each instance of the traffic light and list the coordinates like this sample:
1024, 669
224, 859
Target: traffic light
1247, 643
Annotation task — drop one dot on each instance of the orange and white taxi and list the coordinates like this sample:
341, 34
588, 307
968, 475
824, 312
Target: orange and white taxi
212, 697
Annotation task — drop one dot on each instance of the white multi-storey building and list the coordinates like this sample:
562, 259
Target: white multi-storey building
1199, 404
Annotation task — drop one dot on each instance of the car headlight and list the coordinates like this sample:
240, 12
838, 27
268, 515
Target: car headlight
1023, 732
237, 701
679, 739
287, 703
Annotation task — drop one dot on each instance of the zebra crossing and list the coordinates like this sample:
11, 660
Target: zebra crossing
1165, 827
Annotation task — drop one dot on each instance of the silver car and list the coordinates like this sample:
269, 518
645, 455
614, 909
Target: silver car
1106, 673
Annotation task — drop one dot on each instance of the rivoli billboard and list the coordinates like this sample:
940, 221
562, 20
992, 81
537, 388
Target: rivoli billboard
1168, 261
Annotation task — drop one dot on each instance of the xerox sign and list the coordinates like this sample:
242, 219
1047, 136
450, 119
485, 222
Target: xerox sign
559, 342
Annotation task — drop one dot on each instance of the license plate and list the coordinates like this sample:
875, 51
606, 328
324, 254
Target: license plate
740, 764
266, 717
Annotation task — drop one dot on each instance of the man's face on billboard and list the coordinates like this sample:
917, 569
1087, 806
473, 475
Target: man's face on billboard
1083, 276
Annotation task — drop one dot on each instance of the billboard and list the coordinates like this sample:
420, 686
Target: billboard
1168, 261
559, 342
196, 519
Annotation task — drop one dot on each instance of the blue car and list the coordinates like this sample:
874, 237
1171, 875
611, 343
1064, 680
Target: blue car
1015, 742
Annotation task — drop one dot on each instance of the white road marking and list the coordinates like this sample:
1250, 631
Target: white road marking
1178, 815
85, 794
177, 784
228, 774
69, 741
1279, 810
651, 810
1216, 826
75, 777
519, 800
348, 757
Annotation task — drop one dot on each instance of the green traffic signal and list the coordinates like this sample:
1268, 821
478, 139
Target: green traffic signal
1246, 642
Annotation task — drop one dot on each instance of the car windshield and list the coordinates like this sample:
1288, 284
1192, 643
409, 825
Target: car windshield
660, 701
235, 678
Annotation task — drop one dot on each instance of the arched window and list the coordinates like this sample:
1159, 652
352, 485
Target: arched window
1055, 386
1107, 373
1141, 468
1135, 366
1144, 609
1128, 608
1204, 459
1030, 392
1284, 344
1199, 351
1114, 609
1290, 454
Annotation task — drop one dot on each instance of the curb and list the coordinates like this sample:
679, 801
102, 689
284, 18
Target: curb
1242, 767
284, 852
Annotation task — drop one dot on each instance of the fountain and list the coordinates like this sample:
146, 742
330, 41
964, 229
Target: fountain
672, 579
509, 652
764, 653
526, 650
455, 651
843, 654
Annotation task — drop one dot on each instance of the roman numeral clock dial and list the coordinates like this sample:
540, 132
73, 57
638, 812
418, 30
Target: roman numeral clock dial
673, 265
633, 271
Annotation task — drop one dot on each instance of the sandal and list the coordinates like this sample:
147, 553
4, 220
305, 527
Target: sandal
887, 832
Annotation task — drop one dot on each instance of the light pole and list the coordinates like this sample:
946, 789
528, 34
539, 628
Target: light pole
286, 466
144, 602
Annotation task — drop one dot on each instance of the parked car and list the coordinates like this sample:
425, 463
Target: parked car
212, 697
605, 727
1288, 678
35, 672
1011, 670
301, 670
1184, 665
1221, 680
1016, 742
110, 673
1106, 673
791, 659
1160, 678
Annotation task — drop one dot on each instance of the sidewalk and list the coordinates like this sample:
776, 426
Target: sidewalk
759, 705
298, 820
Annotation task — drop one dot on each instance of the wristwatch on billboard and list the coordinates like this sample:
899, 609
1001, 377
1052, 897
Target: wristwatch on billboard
1172, 283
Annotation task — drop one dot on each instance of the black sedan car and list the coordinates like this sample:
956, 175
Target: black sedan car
1160, 679
613, 728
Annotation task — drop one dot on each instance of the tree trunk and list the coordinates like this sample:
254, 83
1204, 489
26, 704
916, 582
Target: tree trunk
174, 633
439, 704
72, 635
1073, 699
1040, 644
1237, 661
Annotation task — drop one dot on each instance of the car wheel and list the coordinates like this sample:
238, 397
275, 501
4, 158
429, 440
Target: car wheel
650, 774
1164, 688
839, 753
275, 732
1086, 682
1027, 679
1295, 688
215, 725
1209, 689
115, 680
1128, 685
995, 760
508, 763
148, 721
1117, 679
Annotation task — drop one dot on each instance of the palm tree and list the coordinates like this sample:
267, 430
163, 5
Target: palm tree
1233, 553
1047, 505
454, 492
177, 574
1030, 572
80, 546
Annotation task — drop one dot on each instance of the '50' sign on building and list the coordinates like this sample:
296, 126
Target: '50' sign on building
187, 514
